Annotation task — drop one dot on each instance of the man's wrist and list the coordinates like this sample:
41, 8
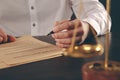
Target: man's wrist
90, 38
85, 27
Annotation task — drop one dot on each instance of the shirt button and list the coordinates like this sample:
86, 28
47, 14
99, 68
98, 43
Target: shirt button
32, 7
33, 24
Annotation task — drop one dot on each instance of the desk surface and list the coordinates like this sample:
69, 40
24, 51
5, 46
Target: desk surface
60, 68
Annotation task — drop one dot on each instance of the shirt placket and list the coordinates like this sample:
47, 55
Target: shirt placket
33, 16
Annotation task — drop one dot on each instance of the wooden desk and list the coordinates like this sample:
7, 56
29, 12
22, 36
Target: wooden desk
60, 68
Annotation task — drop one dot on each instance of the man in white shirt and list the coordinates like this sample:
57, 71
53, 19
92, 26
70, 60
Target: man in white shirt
39, 17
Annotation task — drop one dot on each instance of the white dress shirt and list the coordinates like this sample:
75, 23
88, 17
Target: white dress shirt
37, 17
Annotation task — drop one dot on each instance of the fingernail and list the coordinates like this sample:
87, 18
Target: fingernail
1, 39
55, 29
53, 35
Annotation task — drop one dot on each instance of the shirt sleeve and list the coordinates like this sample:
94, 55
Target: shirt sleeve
93, 12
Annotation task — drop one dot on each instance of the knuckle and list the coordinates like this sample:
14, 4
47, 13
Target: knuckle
65, 25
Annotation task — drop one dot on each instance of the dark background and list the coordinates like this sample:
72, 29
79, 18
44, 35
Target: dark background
115, 15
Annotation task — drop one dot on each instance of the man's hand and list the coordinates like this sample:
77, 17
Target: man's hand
6, 38
63, 32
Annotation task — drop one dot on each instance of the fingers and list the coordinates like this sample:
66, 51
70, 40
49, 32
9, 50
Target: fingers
64, 43
62, 26
67, 40
3, 36
9, 39
66, 25
60, 22
64, 38
67, 34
